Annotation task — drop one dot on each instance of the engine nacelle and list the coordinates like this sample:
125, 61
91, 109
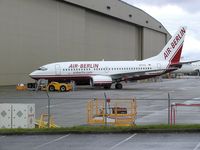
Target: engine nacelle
100, 80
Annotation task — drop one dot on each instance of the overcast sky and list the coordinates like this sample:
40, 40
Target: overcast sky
173, 14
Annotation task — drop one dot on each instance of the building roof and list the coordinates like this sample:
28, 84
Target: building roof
123, 11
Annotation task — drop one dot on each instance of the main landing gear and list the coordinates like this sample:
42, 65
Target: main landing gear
118, 86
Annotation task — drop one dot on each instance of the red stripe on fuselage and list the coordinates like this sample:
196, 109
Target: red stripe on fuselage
61, 77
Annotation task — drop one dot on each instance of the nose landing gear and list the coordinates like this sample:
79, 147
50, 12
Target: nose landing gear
118, 86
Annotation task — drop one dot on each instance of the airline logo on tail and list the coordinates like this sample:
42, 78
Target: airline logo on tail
174, 43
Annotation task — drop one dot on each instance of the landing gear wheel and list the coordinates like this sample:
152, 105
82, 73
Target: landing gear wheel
107, 86
62, 88
51, 88
118, 86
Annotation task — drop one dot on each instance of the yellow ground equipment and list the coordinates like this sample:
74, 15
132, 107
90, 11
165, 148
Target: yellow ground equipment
21, 87
42, 122
56, 86
117, 112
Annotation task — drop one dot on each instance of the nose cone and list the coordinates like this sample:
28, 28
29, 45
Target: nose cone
39, 73
33, 75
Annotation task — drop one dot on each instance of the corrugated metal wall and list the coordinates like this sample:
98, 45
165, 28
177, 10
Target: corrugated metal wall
110, 39
37, 32
153, 42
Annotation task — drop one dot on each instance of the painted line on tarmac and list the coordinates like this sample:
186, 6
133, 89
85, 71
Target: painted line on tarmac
197, 146
125, 140
55, 140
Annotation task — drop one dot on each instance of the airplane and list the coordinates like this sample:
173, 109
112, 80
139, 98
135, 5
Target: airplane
189, 68
105, 73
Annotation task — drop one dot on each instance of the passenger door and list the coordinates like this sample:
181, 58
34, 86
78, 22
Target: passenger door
57, 69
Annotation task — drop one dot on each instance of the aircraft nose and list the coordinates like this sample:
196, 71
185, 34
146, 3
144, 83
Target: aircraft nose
32, 74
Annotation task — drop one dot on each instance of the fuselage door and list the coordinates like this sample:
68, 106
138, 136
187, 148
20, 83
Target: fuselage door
57, 69
158, 66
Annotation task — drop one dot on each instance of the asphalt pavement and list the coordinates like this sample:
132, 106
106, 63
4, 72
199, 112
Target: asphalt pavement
69, 108
102, 142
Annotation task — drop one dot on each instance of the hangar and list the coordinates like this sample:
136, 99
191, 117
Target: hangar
37, 32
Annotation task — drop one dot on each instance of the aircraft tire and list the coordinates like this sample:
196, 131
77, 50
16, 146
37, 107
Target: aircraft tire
118, 86
51, 88
62, 88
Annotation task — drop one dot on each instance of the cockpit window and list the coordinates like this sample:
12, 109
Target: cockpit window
42, 68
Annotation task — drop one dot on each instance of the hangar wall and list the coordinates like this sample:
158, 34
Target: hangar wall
153, 42
110, 39
37, 32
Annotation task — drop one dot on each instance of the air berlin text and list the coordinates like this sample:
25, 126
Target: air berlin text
84, 66
174, 43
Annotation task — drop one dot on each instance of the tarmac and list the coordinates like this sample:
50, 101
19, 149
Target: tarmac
102, 142
69, 108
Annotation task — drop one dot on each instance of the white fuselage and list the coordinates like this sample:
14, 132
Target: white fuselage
115, 69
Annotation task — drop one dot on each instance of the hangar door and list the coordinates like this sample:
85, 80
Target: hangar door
153, 42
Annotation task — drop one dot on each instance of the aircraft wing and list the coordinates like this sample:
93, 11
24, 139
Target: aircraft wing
188, 62
142, 73
179, 64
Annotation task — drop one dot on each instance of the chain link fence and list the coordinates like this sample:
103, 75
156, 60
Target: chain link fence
73, 111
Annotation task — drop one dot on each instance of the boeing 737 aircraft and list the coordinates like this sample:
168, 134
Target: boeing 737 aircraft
106, 73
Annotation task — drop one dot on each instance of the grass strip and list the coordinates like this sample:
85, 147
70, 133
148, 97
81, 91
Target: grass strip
103, 129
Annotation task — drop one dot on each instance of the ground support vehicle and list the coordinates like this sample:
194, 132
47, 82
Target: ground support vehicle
62, 87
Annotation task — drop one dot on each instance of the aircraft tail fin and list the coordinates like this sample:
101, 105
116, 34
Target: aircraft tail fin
173, 49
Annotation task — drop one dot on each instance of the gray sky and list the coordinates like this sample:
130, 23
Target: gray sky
188, 5
173, 14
